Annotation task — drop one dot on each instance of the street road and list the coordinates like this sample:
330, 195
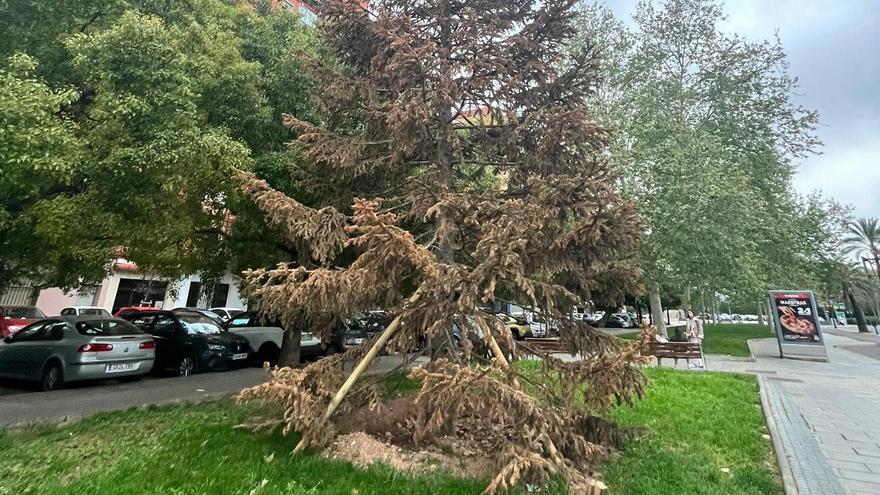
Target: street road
20, 404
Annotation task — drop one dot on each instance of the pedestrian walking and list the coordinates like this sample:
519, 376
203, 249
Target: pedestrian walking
695, 334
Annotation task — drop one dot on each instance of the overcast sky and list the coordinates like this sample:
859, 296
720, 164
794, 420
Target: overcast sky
832, 47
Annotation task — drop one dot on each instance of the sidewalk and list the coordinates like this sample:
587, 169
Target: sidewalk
823, 416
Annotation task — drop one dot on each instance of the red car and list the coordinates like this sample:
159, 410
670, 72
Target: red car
128, 309
14, 318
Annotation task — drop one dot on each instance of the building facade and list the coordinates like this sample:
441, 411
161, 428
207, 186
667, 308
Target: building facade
127, 286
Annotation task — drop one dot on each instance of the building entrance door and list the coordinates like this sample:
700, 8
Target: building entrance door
137, 292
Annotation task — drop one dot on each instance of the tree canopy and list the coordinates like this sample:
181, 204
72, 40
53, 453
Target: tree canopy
477, 175
124, 122
707, 133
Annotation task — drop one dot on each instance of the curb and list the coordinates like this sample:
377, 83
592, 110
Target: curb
788, 481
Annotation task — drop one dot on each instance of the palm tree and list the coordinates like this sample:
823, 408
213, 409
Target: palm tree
863, 240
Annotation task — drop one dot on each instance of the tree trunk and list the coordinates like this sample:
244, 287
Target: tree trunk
703, 309
290, 348
760, 314
716, 315
857, 310
686, 300
657, 311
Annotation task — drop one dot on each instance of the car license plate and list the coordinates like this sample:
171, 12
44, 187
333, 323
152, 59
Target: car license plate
236, 357
119, 367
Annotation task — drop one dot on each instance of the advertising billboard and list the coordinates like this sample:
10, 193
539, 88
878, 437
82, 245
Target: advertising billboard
797, 322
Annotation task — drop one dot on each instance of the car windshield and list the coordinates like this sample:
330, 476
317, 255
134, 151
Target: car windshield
106, 327
199, 324
24, 312
242, 321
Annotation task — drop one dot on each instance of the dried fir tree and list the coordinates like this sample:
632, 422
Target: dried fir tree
486, 180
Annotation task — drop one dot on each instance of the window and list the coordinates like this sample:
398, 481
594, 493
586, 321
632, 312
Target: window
196, 324
240, 321
26, 312
68, 312
30, 332
164, 325
221, 293
141, 320
106, 327
94, 312
53, 332
192, 297
307, 16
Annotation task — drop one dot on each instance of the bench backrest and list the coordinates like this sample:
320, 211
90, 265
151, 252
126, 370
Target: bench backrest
675, 349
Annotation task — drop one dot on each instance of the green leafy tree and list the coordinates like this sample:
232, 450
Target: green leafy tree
863, 240
38, 153
162, 100
706, 135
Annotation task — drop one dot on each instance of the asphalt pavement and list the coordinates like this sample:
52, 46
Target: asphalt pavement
22, 405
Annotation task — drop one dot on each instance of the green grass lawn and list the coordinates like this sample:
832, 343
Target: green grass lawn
726, 338
699, 423
730, 338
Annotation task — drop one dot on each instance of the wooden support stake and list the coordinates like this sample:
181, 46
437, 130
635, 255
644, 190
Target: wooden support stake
496, 349
358, 371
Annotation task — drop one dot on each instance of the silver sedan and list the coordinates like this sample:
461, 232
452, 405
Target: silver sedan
72, 348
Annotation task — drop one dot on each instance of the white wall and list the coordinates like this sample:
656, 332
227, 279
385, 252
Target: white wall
52, 300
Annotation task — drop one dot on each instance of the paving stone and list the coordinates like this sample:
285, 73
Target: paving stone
849, 474
868, 452
851, 465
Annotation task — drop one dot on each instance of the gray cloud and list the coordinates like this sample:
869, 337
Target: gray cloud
832, 48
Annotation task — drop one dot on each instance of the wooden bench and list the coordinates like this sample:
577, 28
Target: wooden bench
676, 351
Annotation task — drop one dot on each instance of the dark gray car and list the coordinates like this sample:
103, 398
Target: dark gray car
72, 348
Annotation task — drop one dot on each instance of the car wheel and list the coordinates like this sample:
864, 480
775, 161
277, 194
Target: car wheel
53, 378
187, 365
269, 353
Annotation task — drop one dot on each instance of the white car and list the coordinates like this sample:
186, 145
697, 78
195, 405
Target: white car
266, 339
227, 313
85, 311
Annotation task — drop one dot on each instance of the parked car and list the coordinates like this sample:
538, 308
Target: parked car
207, 313
628, 320
227, 313
266, 337
85, 311
63, 349
14, 318
519, 327
189, 342
131, 309
617, 321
